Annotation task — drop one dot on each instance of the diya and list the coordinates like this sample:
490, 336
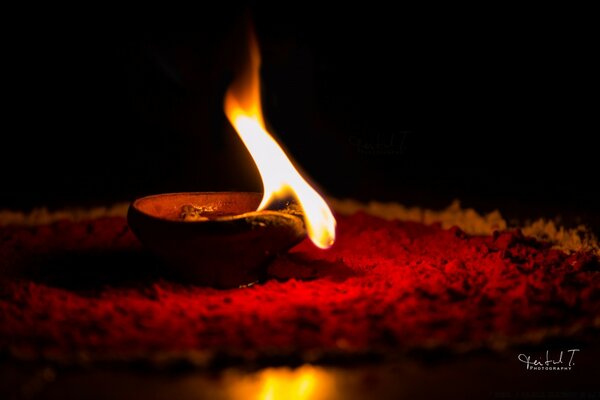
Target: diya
215, 239
226, 239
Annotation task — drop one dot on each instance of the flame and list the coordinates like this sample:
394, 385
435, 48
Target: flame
280, 178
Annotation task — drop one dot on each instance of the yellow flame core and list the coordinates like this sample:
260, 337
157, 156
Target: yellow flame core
280, 178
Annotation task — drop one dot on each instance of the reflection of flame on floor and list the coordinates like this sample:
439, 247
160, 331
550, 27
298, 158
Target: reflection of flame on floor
305, 382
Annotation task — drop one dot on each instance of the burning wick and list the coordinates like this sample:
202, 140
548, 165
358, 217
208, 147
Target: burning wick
280, 178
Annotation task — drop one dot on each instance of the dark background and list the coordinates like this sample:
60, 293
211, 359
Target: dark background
494, 109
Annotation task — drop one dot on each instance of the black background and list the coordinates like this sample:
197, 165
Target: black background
492, 108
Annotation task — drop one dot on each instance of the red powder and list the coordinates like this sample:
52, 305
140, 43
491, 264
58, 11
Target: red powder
86, 286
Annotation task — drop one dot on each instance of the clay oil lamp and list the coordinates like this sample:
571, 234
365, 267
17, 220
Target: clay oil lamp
227, 239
